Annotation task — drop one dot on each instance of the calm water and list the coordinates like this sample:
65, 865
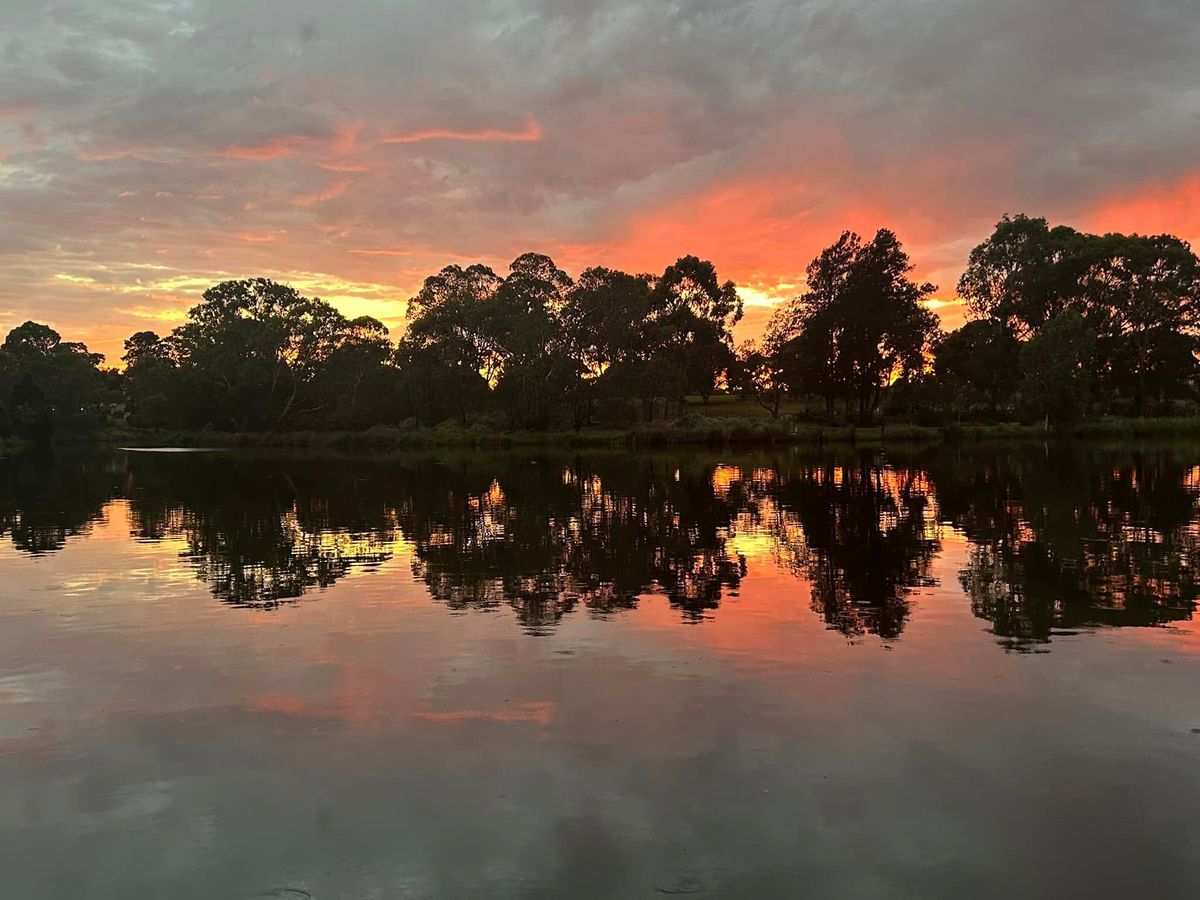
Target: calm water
963, 674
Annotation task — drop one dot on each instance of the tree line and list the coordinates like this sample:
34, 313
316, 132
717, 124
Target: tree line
1061, 324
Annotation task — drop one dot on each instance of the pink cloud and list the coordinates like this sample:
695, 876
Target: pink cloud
531, 132
272, 149
336, 189
18, 110
349, 168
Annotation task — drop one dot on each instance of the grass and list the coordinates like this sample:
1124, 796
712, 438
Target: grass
12, 445
380, 437
691, 430
1113, 427
723, 422
1105, 427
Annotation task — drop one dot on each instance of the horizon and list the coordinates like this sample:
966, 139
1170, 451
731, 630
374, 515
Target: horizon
151, 151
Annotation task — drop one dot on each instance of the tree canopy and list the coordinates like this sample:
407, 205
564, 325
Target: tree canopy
1139, 296
255, 355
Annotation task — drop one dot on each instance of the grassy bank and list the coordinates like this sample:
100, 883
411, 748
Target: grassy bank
377, 438
691, 430
12, 445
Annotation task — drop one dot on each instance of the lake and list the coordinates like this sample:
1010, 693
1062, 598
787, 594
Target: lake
958, 672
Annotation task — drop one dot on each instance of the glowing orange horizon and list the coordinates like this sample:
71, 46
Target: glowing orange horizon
759, 232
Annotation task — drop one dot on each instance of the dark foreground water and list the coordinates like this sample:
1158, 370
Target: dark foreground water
960, 674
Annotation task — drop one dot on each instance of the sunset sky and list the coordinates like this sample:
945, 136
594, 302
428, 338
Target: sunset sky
149, 149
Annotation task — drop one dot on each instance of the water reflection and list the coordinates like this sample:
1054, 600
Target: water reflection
44, 500
546, 537
1066, 539
258, 533
861, 534
1059, 539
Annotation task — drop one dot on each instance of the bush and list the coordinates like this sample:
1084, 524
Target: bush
616, 412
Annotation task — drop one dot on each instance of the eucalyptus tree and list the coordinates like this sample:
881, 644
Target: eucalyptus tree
1139, 296
758, 376
690, 327
48, 385
448, 357
1023, 274
861, 325
252, 355
525, 320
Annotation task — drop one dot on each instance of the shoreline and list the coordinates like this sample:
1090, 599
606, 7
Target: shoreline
696, 432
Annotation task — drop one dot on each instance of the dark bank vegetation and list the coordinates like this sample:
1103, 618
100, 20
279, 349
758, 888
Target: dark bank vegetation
1068, 331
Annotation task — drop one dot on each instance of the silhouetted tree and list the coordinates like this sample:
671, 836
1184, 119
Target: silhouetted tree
255, 355
1141, 297
758, 376
525, 319
1023, 275
1138, 295
155, 392
538, 350
860, 326
690, 326
48, 385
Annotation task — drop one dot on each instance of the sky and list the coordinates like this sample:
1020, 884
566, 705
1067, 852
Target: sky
150, 148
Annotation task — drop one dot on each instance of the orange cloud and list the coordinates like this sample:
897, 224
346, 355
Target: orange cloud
345, 138
351, 168
367, 251
531, 132
272, 149
250, 237
334, 190
760, 233
1162, 208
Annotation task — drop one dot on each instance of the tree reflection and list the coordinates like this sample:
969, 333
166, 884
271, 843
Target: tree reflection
860, 533
1074, 538
1057, 539
258, 534
545, 537
46, 498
